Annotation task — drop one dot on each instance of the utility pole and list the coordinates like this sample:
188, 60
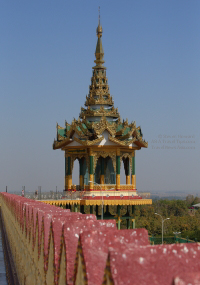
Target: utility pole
162, 224
102, 206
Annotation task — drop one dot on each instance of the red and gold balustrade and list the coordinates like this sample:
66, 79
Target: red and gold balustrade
50, 246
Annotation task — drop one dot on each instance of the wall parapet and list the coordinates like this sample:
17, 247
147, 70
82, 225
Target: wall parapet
50, 245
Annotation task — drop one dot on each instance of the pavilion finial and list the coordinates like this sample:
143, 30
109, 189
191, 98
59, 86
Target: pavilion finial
99, 15
99, 28
99, 53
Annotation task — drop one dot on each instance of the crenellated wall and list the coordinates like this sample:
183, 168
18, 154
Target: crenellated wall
44, 238
50, 245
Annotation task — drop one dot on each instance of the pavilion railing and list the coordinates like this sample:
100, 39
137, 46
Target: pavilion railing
76, 193
144, 195
103, 187
35, 195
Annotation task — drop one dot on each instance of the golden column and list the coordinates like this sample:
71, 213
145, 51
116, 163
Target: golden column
133, 171
118, 169
128, 178
81, 176
102, 171
91, 169
68, 172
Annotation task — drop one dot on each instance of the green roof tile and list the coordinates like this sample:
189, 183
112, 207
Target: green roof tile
126, 131
62, 132
84, 126
119, 128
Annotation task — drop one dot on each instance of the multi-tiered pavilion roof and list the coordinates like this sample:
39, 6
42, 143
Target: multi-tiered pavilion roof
99, 114
99, 138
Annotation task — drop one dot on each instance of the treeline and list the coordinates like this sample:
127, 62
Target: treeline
182, 218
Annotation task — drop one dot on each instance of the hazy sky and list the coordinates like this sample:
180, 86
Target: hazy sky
152, 54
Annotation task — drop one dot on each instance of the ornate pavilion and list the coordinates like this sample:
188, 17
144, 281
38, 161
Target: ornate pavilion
101, 141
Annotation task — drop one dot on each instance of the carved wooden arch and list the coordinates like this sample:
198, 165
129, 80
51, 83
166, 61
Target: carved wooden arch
78, 156
127, 155
104, 154
73, 158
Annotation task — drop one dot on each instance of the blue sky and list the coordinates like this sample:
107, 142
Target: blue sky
152, 54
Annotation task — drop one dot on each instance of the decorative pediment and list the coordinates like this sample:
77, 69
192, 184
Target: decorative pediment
99, 101
102, 112
104, 154
106, 139
88, 142
106, 128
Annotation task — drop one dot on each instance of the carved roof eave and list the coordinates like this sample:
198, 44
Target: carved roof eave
96, 114
87, 123
128, 135
79, 133
83, 134
135, 133
66, 126
132, 131
87, 142
57, 145
141, 143
99, 113
60, 138
123, 143
92, 101
85, 131
119, 122
100, 93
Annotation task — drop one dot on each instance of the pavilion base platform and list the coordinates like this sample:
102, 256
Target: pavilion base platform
118, 209
111, 195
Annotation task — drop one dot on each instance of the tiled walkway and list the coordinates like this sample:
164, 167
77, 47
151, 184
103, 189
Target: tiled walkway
3, 280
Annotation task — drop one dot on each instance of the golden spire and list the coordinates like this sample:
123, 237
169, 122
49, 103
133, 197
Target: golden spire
99, 28
99, 53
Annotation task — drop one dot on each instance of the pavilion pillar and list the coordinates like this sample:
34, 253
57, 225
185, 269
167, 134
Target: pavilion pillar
118, 170
69, 172
118, 217
128, 224
66, 173
102, 170
128, 180
81, 175
133, 221
133, 171
91, 173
